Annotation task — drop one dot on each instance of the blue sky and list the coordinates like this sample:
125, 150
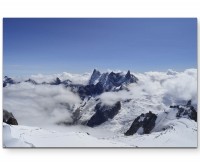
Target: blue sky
32, 46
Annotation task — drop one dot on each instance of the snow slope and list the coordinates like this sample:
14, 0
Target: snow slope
182, 133
24, 136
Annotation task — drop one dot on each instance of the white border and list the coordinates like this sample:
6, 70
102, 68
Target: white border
98, 8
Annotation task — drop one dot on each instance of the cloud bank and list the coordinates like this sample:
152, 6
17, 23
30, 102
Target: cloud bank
75, 78
170, 87
39, 104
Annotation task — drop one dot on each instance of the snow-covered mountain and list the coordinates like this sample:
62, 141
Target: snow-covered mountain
118, 109
112, 80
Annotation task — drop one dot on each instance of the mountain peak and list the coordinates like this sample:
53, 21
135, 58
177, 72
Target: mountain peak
128, 74
31, 81
95, 75
95, 71
112, 80
8, 80
56, 82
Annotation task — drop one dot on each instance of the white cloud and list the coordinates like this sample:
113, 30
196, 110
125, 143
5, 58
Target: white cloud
39, 105
170, 88
110, 98
75, 78
183, 86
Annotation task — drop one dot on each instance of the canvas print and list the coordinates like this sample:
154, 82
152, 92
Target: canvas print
99, 82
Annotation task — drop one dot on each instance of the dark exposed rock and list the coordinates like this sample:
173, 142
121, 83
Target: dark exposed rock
128, 75
103, 113
112, 80
173, 106
95, 75
144, 121
90, 90
31, 81
189, 103
8, 80
6, 115
9, 118
129, 78
12, 121
56, 82
147, 121
118, 79
187, 111
105, 82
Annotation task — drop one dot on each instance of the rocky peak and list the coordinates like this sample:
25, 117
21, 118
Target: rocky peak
103, 113
31, 81
7, 80
143, 124
90, 90
112, 79
56, 82
128, 75
95, 75
9, 118
130, 78
187, 111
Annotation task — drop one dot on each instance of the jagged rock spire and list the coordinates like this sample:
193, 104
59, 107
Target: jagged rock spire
95, 75
128, 74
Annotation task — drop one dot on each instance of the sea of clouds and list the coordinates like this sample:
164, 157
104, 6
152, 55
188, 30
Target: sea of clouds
172, 87
38, 105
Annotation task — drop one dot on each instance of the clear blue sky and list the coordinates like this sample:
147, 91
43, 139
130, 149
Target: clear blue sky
32, 46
